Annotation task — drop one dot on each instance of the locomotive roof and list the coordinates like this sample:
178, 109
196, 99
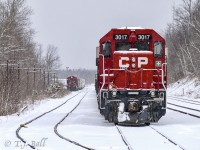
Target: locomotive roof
131, 28
113, 30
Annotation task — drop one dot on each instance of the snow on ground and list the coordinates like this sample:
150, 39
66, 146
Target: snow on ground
188, 87
86, 126
9, 124
183, 129
89, 127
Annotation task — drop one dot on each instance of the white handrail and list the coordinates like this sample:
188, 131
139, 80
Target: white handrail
102, 84
163, 76
162, 71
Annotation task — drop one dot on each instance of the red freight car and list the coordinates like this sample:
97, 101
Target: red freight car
74, 83
131, 76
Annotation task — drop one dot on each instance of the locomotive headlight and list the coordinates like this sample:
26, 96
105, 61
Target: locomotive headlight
153, 94
114, 93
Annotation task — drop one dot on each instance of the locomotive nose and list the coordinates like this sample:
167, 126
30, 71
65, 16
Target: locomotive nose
133, 69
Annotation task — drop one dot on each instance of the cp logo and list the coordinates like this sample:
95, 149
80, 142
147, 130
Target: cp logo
124, 62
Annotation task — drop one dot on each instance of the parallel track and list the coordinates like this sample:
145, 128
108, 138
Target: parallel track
196, 116
170, 140
123, 138
67, 139
184, 107
118, 128
184, 100
34, 119
150, 127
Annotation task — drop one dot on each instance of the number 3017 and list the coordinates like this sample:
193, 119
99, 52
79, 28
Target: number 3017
143, 37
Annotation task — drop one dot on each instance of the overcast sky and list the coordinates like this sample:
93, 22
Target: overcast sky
75, 26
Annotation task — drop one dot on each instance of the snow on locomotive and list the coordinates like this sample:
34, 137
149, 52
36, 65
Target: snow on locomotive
75, 83
131, 76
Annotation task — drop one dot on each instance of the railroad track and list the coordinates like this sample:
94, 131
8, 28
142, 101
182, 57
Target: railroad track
67, 139
185, 100
183, 112
124, 138
169, 139
58, 123
154, 133
55, 128
183, 109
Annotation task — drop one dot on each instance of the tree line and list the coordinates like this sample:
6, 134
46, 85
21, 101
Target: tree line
25, 70
183, 41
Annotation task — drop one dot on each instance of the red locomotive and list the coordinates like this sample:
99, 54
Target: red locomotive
74, 83
131, 76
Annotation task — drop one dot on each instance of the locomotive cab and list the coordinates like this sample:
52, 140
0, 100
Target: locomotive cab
131, 76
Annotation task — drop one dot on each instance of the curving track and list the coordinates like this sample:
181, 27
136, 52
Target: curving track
67, 139
55, 128
83, 127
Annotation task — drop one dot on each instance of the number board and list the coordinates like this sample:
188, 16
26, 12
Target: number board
143, 36
121, 37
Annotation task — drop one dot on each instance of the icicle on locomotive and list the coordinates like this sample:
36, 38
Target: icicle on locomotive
131, 77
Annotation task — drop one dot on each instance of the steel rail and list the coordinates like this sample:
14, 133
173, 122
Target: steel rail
184, 107
123, 138
183, 112
183, 99
170, 140
67, 139
23, 125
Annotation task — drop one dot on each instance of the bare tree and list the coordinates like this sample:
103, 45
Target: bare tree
52, 60
183, 36
22, 78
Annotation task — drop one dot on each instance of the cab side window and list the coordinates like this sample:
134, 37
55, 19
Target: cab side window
158, 50
106, 49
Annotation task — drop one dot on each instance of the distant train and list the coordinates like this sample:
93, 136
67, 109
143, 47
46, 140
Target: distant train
131, 78
75, 83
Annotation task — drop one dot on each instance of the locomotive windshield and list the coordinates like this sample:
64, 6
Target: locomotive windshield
142, 46
123, 46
